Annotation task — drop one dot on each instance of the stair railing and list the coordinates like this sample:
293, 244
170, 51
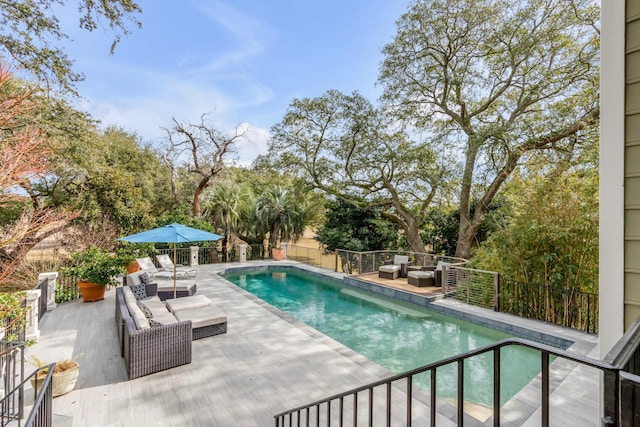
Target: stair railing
320, 412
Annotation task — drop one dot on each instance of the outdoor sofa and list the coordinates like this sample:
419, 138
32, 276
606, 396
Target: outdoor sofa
427, 276
147, 350
154, 335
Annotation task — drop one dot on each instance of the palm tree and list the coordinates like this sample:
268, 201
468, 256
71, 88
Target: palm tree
226, 209
282, 214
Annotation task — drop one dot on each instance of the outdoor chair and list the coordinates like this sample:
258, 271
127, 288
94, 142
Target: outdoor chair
167, 265
392, 271
147, 265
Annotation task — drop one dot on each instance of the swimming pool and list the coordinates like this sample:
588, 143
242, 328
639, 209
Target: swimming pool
395, 335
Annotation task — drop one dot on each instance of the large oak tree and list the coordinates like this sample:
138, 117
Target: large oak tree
349, 149
498, 78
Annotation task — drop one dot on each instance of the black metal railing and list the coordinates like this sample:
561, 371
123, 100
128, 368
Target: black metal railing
12, 370
570, 308
343, 409
41, 414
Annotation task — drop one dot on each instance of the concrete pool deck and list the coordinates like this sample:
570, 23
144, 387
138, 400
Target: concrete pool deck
266, 363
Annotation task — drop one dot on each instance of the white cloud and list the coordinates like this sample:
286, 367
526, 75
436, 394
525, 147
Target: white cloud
255, 143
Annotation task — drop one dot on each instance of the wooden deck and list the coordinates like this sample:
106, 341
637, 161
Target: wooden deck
401, 283
265, 363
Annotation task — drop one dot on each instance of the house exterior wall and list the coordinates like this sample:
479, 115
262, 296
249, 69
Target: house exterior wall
632, 164
619, 209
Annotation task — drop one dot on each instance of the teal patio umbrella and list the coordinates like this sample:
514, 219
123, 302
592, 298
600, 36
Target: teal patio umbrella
173, 233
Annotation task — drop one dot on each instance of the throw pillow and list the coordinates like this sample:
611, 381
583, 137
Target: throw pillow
145, 279
147, 313
139, 291
154, 323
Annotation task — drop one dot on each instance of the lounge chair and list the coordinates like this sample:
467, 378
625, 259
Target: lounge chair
167, 265
147, 265
392, 271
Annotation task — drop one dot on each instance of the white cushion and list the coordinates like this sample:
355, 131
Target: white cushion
187, 303
441, 264
389, 268
138, 316
202, 316
133, 279
420, 274
400, 259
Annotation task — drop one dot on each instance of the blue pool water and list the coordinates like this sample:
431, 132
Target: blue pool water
397, 336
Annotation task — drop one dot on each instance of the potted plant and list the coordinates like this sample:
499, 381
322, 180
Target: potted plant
128, 252
65, 375
94, 269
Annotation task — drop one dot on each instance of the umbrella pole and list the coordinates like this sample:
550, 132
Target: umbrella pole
174, 271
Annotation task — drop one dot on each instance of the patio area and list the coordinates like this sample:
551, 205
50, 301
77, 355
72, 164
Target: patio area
265, 363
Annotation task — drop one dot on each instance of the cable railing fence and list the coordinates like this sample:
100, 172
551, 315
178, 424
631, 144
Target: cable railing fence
475, 287
353, 262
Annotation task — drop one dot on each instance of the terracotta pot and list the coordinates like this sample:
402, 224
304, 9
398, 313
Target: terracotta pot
91, 292
61, 382
277, 254
133, 267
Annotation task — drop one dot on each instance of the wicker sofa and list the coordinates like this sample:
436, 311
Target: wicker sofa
147, 349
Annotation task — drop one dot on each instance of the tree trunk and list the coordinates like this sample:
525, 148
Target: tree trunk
464, 240
197, 196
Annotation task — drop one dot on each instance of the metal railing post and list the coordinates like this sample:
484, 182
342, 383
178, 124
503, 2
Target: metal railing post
496, 292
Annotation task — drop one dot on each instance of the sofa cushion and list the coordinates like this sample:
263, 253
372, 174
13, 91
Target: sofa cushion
400, 259
145, 278
441, 264
160, 312
187, 303
389, 268
138, 316
147, 312
202, 316
139, 291
420, 274
181, 285
164, 317
133, 279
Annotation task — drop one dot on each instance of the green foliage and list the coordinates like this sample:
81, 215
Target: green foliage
282, 212
112, 175
30, 29
182, 215
95, 266
347, 148
552, 236
495, 79
13, 314
442, 226
356, 229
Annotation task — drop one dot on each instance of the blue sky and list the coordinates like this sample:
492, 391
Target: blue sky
244, 60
